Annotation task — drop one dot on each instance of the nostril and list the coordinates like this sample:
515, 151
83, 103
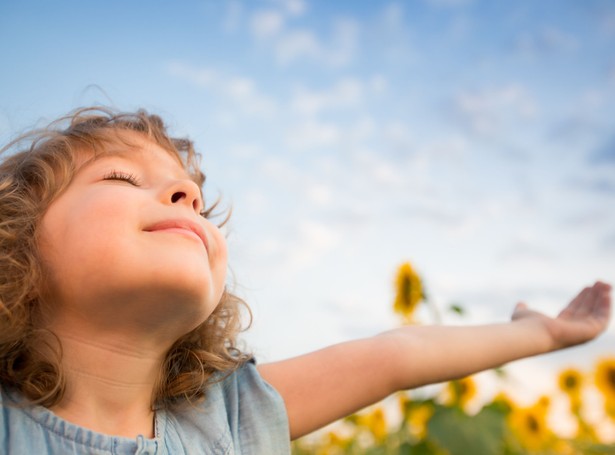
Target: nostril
178, 196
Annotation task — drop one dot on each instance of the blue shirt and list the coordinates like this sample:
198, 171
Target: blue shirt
240, 415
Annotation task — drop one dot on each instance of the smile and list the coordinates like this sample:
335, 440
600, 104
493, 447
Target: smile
183, 227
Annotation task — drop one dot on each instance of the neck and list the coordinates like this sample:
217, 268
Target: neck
110, 385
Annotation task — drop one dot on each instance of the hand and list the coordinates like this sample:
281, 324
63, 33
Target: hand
582, 320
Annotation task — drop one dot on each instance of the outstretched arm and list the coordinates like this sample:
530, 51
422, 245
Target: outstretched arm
320, 387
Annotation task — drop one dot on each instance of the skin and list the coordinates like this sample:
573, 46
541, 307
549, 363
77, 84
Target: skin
325, 385
121, 296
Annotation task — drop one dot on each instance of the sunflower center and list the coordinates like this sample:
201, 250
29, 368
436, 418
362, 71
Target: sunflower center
463, 389
570, 382
406, 288
532, 424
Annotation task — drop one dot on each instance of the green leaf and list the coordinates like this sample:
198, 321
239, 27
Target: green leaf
376, 451
462, 434
406, 449
500, 372
597, 449
457, 308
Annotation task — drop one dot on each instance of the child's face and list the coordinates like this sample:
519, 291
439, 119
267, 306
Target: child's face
127, 248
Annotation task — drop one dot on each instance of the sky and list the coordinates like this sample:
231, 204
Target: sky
475, 139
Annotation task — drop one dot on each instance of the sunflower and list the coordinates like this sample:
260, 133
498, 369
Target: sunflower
605, 378
376, 423
460, 391
542, 405
418, 418
333, 443
570, 381
405, 403
609, 407
529, 424
409, 292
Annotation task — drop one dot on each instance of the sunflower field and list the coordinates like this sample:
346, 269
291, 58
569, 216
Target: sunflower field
443, 423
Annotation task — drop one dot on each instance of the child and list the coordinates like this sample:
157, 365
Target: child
117, 334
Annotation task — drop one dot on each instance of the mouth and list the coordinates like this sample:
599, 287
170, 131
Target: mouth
184, 227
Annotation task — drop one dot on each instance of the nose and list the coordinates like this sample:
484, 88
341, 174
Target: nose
185, 192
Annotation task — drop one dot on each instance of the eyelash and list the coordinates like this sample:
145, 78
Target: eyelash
133, 180
124, 176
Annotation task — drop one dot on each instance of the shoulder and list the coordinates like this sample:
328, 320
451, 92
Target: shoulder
241, 411
247, 393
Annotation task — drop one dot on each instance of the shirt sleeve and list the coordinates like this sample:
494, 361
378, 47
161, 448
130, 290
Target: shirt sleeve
257, 414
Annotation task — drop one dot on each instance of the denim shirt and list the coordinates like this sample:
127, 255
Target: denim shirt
240, 415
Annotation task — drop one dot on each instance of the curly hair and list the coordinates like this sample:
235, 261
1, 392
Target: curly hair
38, 166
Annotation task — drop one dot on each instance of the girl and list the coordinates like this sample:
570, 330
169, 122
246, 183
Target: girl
117, 334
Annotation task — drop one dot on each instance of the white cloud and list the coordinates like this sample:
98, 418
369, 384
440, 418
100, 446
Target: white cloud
387, 173
280, 171
241, 90
293, 7
319, 194
312, 134
608, 22
244, 151
202, 77
487, 111
240, 87
378, 84
392, 16
234, 11
345, 43
300, 44
546, 40
224, 119
449, 148
266, 24
296, 45
293, 249
363, 129
448, 3
398, 133
555, 38
255, 201
344, 94
375, 171
391, 34
529, 253
314, 240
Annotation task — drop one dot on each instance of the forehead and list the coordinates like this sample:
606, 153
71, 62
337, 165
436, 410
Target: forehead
131, 146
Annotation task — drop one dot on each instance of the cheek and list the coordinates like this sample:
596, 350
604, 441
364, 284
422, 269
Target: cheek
74, 238
218, 254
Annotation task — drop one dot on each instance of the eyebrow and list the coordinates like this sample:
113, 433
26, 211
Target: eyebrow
97, 158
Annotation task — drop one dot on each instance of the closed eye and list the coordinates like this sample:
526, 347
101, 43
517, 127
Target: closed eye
124, 176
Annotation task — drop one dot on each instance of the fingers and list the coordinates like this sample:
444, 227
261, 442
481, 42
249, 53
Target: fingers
592, 301
573, 308
600, 303
602, 308
521, 306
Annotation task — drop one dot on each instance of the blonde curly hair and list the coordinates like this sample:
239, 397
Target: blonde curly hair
38, 166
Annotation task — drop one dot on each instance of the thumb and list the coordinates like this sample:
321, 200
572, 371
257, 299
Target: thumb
519, 308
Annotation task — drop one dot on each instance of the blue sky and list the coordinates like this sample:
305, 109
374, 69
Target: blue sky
474, 138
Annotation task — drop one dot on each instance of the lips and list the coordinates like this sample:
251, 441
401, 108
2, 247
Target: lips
180, 226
